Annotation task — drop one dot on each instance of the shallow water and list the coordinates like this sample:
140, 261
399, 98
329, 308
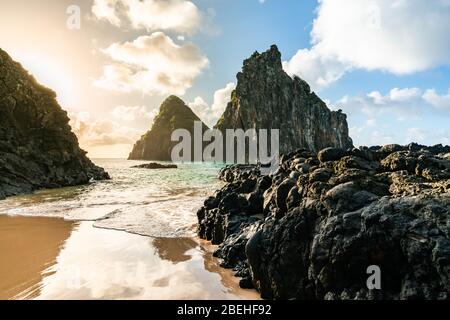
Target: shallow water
129, 238
48, 258
158, 203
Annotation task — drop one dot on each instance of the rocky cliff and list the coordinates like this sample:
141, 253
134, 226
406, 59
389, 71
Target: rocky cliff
267, 98
156, 144
37, 146
312, 229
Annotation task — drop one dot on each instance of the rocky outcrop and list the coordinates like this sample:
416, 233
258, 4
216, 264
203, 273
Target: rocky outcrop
37, 147
155, 166
156, 144
312, 229
266, 97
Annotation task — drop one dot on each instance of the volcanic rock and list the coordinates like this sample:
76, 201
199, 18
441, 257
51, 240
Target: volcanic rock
37, 146
154, 166
318, 239
266, 97
156, 144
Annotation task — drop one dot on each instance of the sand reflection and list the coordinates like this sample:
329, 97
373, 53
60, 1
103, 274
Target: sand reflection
227, 278
174, 249
106, 264
28, 247
179, 250
55, 259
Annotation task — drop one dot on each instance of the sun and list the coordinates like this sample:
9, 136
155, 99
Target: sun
52, 74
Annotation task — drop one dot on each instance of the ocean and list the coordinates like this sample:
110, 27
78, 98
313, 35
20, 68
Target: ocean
133, 237
156, 203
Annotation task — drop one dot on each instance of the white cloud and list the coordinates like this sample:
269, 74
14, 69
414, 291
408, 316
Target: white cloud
402, 115
201, 109
133, 113
440, 102
396, 97
152, 64
210, 114
221, 99
369, 136
400, 37
152, 15
317, 69
404, 94
94, 132
381, 138
423, 136
399, 103
106, 10
376, 97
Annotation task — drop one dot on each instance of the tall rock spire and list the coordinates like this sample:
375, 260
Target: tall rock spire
266, 97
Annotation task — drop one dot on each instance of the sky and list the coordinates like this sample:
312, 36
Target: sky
385, 63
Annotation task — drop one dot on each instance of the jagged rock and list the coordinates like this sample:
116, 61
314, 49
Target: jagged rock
282, 192
267, 98
330, 154
37, 147
154, 166
385, 206
156, 144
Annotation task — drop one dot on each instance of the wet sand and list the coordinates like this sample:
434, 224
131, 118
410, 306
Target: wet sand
28, 247
45, 258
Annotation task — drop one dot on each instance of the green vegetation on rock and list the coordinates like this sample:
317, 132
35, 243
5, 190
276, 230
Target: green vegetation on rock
37, 146
266, 97
156, 144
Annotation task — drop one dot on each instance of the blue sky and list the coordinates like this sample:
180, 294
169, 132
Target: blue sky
245, 26
242, 27
386, 63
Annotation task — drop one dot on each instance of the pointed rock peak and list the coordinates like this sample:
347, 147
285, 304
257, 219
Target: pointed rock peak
157, 144
172, 103
173, 100
174, 107
270, 58
266, 97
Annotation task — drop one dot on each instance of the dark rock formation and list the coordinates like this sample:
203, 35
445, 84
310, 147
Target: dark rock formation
156, 144
267, 98
154, 166
37, 147
311, 230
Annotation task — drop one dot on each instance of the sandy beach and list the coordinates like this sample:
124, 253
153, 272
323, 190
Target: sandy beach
50, 258
28, 246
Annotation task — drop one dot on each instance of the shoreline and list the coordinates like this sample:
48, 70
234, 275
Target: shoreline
52, 258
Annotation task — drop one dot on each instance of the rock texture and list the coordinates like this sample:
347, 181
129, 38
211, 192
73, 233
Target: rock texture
311, 230
267, 98
37, 146
154, 166
156, 144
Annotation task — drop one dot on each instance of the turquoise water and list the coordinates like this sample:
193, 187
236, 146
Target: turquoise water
132, 237
157, 203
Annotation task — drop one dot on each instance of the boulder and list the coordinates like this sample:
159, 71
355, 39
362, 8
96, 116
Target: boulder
316, 236
331, 154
